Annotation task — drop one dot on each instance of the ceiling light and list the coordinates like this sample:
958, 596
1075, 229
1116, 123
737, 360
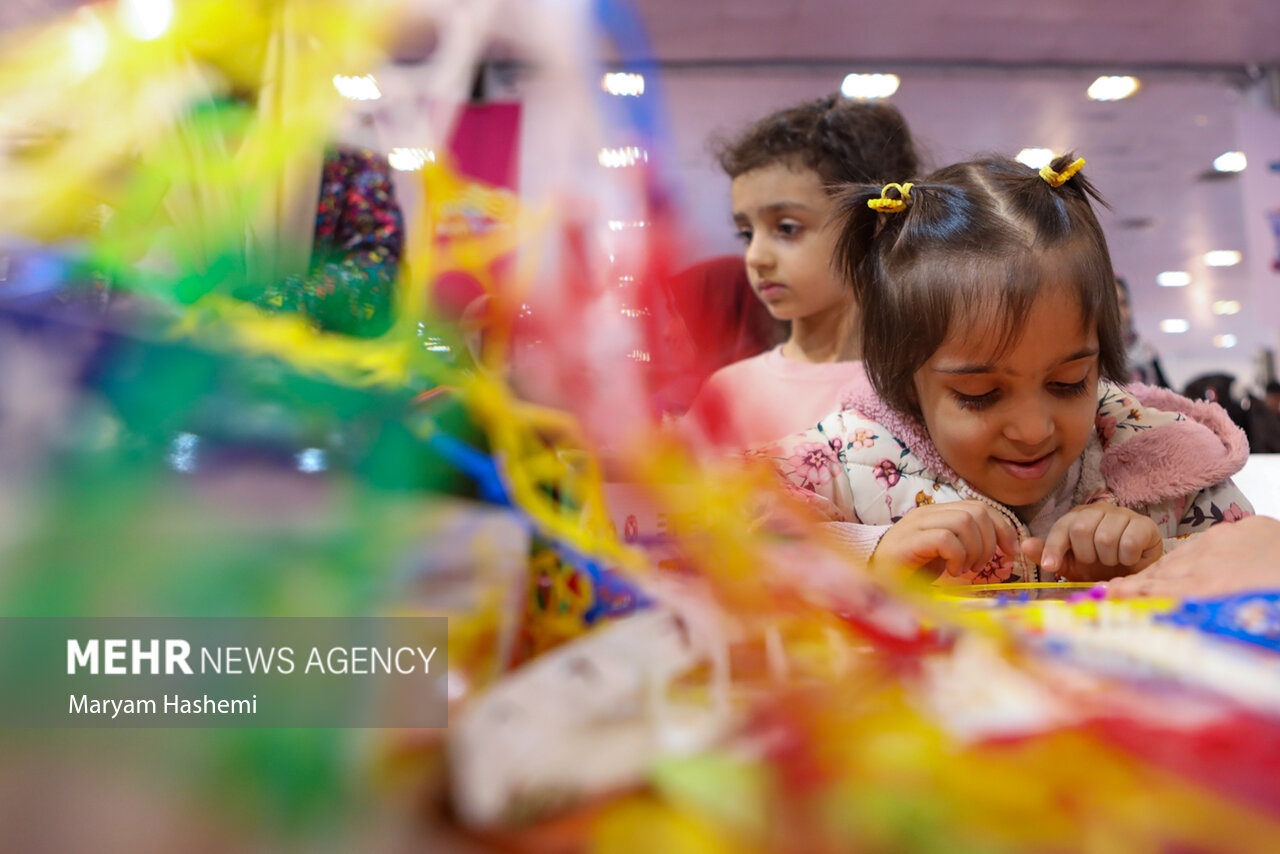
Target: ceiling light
1174, 325
1232, 161
868, 86
410, 159
1112, 88
1222, 258
1226, 306
1227, 340
1173, 279
617, 158
1036, 158
88, 42
623, 83
146, 20
364, 88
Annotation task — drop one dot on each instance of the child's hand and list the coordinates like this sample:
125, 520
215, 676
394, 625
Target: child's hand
1224, 560
1096, 542
959, 536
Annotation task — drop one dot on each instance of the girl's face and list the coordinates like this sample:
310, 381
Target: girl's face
1012, 426
784, 217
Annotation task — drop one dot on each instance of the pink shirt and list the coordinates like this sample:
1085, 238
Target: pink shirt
764, 398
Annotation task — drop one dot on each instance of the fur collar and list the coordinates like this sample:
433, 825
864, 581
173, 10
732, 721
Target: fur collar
1175, 446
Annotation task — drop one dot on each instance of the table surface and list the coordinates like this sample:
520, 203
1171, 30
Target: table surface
1260, 482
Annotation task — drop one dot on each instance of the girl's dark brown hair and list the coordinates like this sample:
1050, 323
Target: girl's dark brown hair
978, 242
844, 141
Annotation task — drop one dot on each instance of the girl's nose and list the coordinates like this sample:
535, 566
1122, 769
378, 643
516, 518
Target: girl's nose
759, 256
1030, 425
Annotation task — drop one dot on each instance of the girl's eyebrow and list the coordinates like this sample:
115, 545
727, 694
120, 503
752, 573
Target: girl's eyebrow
966, 369
783, 205
774, 207
1080, 354
990, 369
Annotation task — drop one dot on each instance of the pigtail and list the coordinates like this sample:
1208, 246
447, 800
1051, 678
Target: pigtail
873, 221
864, 234
1059, 200
1047, 195
1073, 182
1064, 173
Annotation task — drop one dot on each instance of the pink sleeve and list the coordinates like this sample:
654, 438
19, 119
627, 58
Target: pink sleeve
858, 541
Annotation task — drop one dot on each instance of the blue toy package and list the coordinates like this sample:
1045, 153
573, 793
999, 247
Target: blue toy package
1253, 618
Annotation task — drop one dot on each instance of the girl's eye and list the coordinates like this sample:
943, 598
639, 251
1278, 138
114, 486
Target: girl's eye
977, 401
790, 229
744, 235
1070, 389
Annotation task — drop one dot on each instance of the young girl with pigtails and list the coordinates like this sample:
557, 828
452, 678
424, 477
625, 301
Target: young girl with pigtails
991, 438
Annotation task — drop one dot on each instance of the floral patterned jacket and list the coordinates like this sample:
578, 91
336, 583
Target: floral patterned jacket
1152, 451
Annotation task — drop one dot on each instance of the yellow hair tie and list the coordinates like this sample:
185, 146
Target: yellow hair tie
888, 205
1057, 179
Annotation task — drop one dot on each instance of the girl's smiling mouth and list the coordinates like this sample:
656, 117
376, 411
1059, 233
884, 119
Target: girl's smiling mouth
1026, 469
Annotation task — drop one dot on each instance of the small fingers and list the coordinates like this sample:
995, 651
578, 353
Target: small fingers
945, 544
1006, 535
977, 534
1056, 544
1108, 538
1141, 543
1032, 549
1082, 529
973, 529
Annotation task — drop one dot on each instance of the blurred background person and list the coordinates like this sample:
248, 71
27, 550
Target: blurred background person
1264, 420
1272, 398
1217, 388
1144, 364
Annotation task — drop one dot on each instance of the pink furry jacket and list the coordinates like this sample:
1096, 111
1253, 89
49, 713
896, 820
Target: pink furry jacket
1152, 451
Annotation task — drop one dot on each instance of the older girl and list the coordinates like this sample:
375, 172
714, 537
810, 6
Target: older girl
786, 169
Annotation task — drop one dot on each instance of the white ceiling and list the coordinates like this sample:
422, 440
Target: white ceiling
1006, 74
1133, 32
21, 13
